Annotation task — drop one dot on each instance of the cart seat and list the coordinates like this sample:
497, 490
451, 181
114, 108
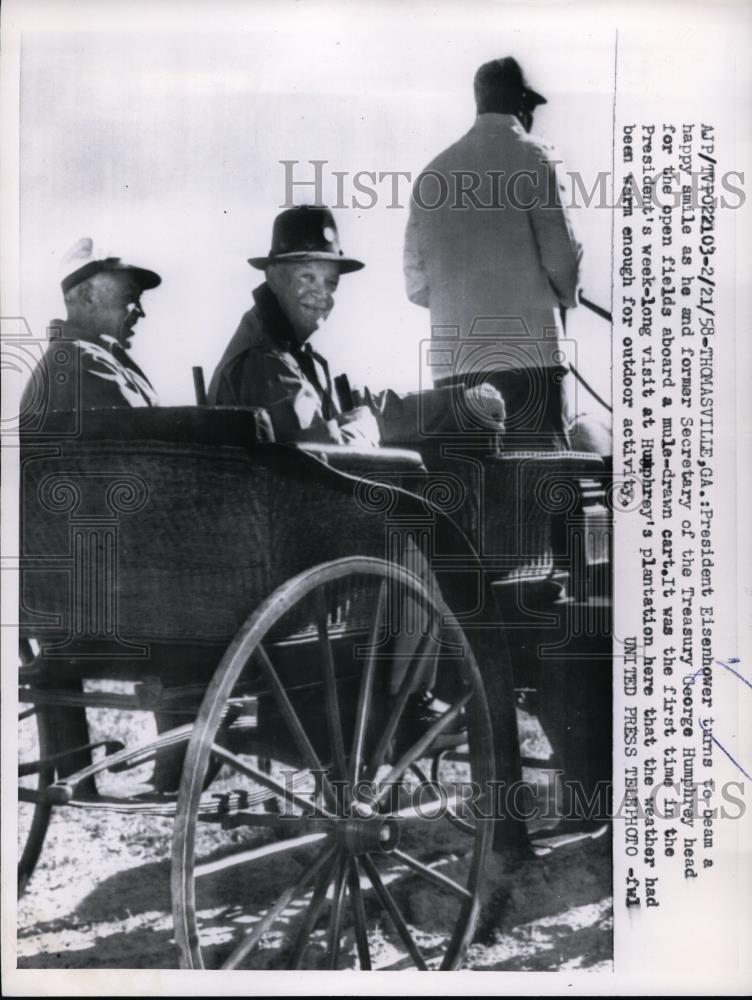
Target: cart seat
143, 528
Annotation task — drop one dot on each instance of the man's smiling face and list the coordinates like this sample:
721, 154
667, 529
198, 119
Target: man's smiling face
305, 291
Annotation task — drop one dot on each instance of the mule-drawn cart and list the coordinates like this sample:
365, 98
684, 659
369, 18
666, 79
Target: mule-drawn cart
333, 645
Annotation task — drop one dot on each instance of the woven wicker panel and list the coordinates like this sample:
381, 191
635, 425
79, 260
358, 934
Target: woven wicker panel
154, 541
158, 541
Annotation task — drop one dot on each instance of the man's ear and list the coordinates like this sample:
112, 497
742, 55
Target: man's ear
271, 277
86, 293
525, 118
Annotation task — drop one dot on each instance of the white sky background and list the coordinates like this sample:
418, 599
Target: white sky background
164, 142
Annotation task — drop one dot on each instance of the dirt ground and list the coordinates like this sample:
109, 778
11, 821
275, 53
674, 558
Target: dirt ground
100, 898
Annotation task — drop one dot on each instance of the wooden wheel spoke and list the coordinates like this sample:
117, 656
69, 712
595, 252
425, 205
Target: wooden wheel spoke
290, 716
338, 902
287, 660
418, 749
432, 875
313, 910
451, 811
366, 686
246, 946
333, 717
255, 855
408, 685
266, 781
428, 812
359, 916
386, 900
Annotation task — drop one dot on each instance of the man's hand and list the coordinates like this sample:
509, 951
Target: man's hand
359, 427
487, 405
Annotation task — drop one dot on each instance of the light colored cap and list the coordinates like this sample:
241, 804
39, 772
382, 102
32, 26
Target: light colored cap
83, 260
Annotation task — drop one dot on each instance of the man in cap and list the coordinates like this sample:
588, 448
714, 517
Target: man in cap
269, 361
87, 364
490, 251
87, 367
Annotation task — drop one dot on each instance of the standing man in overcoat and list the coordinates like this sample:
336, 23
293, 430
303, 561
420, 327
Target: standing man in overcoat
490, 251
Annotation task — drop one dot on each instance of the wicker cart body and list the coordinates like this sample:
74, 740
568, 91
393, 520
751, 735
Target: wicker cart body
277, 609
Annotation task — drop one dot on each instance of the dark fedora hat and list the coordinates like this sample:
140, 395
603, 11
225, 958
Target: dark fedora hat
503, 80
84, 260
306, 232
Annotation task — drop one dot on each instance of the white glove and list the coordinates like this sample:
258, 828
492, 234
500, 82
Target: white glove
487, 405
359, 427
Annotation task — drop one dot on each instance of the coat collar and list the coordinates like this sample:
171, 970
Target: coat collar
265, 327
59, 329
63, 329
275, 322
493, 122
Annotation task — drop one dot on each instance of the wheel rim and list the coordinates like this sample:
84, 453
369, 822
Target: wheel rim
33, 819
354, 865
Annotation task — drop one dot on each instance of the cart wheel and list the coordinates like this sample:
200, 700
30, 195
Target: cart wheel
374, 875
34, 743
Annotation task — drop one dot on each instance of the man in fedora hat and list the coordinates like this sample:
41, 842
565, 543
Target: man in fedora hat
269, 361
490, 251
87, 364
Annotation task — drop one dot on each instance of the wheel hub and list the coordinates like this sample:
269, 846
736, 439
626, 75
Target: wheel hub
366, 830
